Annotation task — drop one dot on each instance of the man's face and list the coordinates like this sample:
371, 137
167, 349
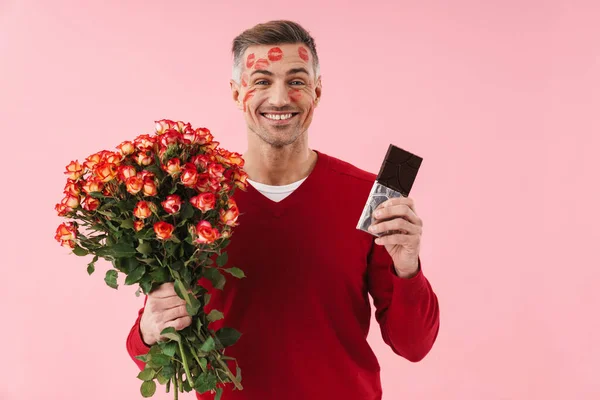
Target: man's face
277, 92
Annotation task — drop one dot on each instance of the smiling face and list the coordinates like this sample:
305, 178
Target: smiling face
277, 92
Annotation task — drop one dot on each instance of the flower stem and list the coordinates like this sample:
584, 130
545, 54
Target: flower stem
185, 363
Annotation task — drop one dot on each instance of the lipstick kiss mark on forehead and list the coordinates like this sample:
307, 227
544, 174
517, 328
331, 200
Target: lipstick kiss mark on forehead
295, 94
250, 60
303, 53
261, 63
275, 54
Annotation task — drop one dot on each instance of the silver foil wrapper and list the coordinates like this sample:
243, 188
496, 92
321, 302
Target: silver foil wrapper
378, 195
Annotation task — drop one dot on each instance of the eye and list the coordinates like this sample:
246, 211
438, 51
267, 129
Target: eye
259, 82
300, 82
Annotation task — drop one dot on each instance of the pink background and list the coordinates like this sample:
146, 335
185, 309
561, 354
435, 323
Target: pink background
500, 98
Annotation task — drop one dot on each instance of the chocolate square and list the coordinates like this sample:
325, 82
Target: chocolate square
399, 170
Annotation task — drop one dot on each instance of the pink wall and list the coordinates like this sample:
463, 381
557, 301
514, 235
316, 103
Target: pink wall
501, 98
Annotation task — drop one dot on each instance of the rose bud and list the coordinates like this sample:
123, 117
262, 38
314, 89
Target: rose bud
163, 230
162, 126
134, 184
74, 170
216, 170
126, 172
70, 201
172, 167
90, 203
172, 204
72, 188
142, 210
138, 225
206, 233
106, 171
230, 216
92, 184
69, 244
126, 148
189, 175
150, 188
143, 159
66, 231
144, 143
204, 201
62, 209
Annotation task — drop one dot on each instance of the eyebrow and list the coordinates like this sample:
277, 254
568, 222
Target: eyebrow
290, 72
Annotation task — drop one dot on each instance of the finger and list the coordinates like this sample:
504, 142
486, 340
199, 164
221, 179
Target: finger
165, 303
409, 201
395, 211
164, 290
174, 313
179, 323
396, 224
393, 239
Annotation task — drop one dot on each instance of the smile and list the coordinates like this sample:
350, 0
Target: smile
279, 117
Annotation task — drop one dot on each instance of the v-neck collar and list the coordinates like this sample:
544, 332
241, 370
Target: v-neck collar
301, 192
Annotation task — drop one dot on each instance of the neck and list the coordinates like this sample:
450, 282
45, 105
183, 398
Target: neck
279, 166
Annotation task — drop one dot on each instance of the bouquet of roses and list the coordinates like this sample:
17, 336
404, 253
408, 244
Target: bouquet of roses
160, 209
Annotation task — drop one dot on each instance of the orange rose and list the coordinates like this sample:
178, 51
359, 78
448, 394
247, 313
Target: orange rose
70, 201
206, 233
66, 231
134, 184
204, 201
230, 216
126, 148
189, 175
62, 209
112, 157
92, 184
200, 161
90, 203
240, 178
144, 142
163, 230
74, 170
138, 225
172, 204
143, 159
172, 167
163, 125
106, 171
126, 172
171, 137
142, 210
72, 188
216, 170
150, 188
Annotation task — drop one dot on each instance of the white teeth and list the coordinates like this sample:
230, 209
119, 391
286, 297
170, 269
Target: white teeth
278, 116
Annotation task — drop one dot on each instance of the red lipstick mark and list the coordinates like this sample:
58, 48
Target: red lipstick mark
261, 63
295, 94
275, 54
250, 60
245, 79
303, 53
247, 97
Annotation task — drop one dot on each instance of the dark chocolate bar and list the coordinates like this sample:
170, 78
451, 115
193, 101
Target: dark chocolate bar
399, 170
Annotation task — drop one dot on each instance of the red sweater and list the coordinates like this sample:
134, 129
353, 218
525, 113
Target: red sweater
303, 309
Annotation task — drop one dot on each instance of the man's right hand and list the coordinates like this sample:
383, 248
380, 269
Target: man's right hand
163, 309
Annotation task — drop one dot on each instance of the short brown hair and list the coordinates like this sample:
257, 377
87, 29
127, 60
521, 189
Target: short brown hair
272, 32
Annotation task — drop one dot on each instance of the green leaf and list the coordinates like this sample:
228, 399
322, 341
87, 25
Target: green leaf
146, 284
208, 346
171, 333
222, 259
168, 371
144, 248
127, 223
147, 374
206, 298
143, 357
106, 213
204, 382
203, 363
187, 211
215, 315
121, 249
216, 278
194, 306
91, 266
160, 359
97, 195
170, 348
181, 291
80, 251
148, 389
135, 275
111, 278
219, 393
161, 378
238, 373
236, 272
160, 275
228, 336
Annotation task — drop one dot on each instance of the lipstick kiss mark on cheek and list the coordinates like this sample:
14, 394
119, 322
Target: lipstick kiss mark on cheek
275, 54
245, 79
250, 60
247, 98
261, 63
295, 95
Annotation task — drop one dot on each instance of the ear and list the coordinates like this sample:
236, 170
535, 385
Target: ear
235, 93
318, 88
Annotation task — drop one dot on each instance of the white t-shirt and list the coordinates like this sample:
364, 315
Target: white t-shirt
276, 193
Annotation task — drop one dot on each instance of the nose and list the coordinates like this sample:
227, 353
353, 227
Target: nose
279, 96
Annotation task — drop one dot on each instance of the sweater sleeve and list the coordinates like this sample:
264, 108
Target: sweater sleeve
135, 344
406, 308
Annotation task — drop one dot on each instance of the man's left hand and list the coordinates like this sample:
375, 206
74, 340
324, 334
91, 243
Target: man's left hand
401, 227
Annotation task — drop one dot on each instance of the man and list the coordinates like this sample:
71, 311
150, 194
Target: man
303, 309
